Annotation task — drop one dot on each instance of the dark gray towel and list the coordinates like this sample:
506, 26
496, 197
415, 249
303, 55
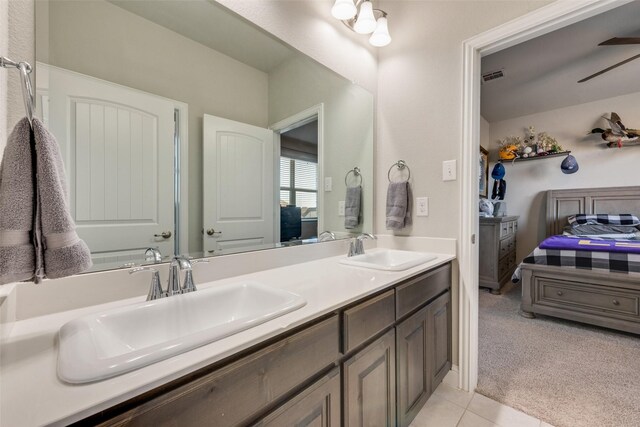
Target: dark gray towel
62, 251
17, 253
398, 205
352, 203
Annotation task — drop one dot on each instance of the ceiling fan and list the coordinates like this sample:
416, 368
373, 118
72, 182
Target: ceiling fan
616, 41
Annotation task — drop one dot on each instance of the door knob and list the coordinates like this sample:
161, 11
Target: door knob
164, 235
212, 232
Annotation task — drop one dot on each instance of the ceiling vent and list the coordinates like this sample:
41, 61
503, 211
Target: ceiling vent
492, 76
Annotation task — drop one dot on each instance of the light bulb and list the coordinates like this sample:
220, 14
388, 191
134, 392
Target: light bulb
366, 22
380, 36
344, 10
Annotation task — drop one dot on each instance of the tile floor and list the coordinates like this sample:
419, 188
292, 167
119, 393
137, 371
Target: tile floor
451, 407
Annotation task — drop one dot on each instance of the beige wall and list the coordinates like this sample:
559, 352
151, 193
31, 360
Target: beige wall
420, 101
18, 25
527, 182
238, 92
299, 84
308, 26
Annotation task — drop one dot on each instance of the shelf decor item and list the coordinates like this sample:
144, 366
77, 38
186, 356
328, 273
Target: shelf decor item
532, 145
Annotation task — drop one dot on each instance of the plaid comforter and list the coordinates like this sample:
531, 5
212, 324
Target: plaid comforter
588, 260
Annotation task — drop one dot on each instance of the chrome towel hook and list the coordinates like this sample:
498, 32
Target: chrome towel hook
27, 89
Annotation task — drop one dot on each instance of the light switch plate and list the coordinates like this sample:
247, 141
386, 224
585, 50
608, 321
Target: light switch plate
328, 183
449, 170
422, 206
341, 208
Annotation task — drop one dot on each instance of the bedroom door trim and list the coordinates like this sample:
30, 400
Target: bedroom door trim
541, 21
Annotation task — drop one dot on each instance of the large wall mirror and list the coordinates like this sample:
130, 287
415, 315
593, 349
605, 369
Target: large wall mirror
186, 129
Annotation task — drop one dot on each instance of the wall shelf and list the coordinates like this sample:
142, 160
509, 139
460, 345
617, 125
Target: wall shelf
537, 157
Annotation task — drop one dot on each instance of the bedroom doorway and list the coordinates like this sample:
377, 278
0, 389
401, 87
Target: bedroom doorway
517, 373
542, 21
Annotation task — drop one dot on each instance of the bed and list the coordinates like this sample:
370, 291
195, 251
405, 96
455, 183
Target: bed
595, 287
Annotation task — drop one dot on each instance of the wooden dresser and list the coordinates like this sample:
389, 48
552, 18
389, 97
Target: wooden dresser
497, 251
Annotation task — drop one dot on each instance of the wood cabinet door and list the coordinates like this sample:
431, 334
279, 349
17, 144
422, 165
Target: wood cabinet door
414, 379
369, 390
316, 406
439, 335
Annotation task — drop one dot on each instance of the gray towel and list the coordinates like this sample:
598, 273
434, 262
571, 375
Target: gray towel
62, 251
352, 207
17, 253
398, 205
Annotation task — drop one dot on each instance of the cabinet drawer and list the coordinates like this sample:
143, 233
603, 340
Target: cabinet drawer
506, 246
367, 319
588, 298
508, 228
233, 394
416, 292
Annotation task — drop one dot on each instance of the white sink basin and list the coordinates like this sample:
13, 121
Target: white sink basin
107, 344
389, 259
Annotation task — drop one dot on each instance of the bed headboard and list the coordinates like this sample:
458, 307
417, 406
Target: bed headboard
607, 200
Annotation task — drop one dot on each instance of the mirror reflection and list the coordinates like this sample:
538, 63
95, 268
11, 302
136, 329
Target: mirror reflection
188, 130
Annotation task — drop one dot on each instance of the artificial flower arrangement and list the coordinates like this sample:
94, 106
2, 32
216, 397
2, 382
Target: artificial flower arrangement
533, 144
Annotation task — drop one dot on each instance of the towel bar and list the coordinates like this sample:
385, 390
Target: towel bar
27, 89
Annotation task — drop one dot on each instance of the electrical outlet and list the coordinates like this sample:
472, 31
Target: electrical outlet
422, 205
341, 208
449, 170
328, 183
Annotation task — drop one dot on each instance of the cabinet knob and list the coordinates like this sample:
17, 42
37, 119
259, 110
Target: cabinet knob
616, 302
560, 293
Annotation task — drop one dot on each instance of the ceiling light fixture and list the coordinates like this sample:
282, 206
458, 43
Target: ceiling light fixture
362, 18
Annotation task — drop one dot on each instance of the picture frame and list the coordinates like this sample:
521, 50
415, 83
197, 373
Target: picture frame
483, 171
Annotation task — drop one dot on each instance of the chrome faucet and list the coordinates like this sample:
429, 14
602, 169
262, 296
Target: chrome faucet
326, 235
356, 246
178, 263
153, 254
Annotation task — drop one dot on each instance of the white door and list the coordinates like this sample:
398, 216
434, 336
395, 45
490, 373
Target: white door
117, 144
238, 185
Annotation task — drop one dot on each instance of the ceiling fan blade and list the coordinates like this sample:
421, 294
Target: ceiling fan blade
609, 68
620, 40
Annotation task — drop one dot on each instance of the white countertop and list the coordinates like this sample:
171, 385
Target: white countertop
31, 393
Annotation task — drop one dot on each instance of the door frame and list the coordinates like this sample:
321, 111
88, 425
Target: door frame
310, 114
534, 24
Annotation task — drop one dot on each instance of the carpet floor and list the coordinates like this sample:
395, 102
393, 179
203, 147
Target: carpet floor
565, 373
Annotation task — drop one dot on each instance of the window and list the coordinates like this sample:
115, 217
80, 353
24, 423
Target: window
299, 186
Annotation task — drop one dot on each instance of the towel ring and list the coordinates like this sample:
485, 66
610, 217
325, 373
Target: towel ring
400, 164
356, 173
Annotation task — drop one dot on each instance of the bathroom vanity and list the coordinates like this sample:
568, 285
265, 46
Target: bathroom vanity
379, 358
368, 345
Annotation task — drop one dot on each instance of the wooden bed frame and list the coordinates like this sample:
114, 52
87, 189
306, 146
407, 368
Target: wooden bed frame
596, 297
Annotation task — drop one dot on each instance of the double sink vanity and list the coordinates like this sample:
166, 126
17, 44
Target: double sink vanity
334, 341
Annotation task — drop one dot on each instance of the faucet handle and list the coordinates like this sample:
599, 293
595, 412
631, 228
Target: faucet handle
155, 290
189, 284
